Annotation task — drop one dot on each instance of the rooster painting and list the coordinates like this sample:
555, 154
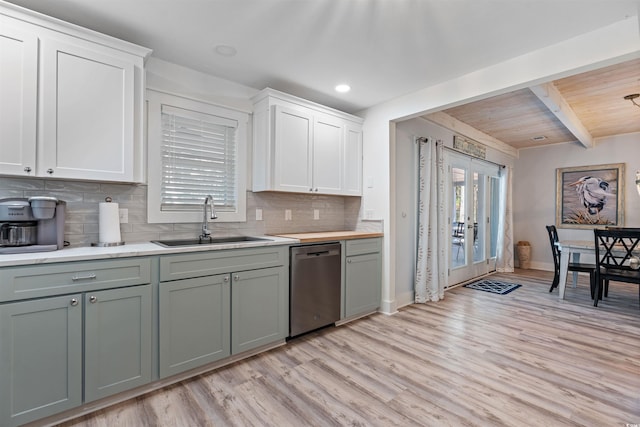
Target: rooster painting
592, 193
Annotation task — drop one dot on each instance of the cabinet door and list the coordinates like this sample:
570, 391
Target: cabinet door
194, 323
293, 156
87, 111
18, 95
352, 161
40, 358
259, 308
328, 139
117, 340
363, 281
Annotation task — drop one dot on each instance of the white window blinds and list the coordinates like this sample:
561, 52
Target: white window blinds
199, 157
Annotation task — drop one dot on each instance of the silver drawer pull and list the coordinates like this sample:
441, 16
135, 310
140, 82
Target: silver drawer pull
87, 277
74, 302
93, 299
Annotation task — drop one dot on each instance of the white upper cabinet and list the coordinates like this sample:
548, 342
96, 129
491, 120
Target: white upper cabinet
90, 136
328, 143
81, 93
353, 160
303, 147
294, 132
18, 99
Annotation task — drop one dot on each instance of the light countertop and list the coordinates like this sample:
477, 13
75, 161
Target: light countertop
330, 236
148, 248
127, 250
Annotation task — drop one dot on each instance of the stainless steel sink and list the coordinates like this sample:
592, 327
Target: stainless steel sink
208, 242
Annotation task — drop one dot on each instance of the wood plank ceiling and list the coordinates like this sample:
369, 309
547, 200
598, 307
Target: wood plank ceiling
596, 98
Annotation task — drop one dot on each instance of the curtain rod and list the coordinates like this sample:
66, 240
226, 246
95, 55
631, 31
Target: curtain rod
476, 158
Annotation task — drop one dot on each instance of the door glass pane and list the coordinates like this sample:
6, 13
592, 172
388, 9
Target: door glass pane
494, 201
458, 252
478, 215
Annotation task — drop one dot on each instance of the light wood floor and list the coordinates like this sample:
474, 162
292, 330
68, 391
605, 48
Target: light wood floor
521, 359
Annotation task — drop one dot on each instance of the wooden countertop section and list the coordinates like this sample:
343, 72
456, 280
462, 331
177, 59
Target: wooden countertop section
330, 235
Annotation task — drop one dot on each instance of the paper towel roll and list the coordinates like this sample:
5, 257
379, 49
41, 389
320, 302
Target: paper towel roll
109, 222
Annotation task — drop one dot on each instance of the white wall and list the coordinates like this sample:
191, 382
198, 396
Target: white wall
615, 43
176, 79
534, 189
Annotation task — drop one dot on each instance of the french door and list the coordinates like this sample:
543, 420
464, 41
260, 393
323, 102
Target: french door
472, 193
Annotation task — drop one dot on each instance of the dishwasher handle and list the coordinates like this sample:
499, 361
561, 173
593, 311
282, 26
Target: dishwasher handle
318, 254
315, 251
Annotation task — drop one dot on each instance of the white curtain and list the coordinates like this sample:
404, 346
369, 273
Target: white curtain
504, 261
432, 256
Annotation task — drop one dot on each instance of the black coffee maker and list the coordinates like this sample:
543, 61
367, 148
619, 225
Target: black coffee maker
34, 224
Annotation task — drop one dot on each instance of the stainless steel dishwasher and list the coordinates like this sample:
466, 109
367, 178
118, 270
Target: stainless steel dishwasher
314, 299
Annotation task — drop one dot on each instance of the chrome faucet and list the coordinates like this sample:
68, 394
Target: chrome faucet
206, 234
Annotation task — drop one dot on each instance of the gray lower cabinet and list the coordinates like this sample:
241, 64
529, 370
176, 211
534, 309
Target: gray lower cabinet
40, 358
220, 303
194, 322
91, 340
363, 276
117, 349
41, 350
259, 308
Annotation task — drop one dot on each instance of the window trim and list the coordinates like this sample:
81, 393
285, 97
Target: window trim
155, 100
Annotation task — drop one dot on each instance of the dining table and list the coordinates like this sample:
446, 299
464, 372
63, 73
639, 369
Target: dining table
572, 249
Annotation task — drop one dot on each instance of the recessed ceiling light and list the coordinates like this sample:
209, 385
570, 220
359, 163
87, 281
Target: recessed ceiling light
343, 88
225, 50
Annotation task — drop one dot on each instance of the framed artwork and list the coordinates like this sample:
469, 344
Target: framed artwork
469, 146
590, 196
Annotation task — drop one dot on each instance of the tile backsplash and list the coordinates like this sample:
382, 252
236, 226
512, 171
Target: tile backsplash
81, 225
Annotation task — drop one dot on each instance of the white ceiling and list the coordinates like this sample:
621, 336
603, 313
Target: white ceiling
382, 48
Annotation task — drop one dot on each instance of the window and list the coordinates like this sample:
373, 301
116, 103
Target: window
195, 149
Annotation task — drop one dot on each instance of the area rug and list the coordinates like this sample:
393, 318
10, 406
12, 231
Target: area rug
493, 286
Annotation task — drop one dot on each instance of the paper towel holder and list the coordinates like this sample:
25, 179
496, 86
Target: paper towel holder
107, 199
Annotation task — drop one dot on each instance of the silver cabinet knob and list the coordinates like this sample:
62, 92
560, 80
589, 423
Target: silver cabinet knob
349, 261
93, 299
226, 279
236, 277
311, 189
27, 169
316, 190
74, 301
50, 171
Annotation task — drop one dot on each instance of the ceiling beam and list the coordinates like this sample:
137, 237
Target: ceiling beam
451, 123
555, 102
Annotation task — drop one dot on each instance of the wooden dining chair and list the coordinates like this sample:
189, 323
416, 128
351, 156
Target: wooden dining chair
616, 258
573, 266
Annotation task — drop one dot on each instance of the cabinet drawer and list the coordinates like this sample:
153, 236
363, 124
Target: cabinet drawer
185, 266
363, 246
25, 282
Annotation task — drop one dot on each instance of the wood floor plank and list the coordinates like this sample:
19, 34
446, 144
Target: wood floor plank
473, 359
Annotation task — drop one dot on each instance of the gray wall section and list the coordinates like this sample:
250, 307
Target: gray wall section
534, 190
